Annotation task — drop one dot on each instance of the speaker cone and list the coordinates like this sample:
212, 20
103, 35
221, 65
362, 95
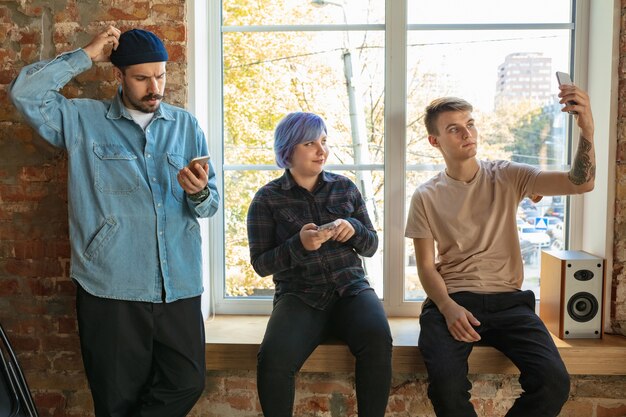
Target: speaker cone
582, 307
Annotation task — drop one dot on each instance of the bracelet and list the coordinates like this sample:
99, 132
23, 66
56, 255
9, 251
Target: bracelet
200, 195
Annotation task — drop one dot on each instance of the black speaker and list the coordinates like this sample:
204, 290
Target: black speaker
572, 294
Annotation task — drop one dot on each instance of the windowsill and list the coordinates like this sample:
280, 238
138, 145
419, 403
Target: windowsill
232, 343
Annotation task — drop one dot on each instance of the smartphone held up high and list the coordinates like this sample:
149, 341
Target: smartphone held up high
564, 79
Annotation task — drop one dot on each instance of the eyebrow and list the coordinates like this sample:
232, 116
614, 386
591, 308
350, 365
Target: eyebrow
457, 124
150, 76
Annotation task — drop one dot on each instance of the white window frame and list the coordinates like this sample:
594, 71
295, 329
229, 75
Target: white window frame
595, 68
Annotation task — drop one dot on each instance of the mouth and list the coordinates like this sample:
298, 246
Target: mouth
152, 98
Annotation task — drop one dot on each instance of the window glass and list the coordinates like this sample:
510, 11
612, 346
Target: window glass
302, 12
488, 11
509, 78
328, 57
269, 73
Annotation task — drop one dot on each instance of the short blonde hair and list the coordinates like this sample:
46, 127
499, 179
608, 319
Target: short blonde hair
442, 105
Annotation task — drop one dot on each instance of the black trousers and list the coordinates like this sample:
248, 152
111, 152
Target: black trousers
142, 359
296, 329
508, 323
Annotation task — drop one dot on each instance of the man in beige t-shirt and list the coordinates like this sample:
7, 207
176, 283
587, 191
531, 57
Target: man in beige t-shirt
474, 283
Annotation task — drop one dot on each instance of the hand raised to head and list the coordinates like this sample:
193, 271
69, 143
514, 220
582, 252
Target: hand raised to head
100, 47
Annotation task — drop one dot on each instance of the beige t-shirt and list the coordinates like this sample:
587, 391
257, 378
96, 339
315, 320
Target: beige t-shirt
474, 226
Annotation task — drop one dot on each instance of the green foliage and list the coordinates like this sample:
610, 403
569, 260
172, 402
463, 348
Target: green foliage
532, 132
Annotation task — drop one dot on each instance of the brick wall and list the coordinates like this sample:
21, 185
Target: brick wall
37, 297
618, 301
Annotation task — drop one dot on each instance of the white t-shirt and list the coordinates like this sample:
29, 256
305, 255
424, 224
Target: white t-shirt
474, 225
141, 118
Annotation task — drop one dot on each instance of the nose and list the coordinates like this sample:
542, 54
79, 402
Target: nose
467, 133
321, 148
153, 87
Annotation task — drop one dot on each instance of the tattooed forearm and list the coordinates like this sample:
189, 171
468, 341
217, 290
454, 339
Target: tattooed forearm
583, 169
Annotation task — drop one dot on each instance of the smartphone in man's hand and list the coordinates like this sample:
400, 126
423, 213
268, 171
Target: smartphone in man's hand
202, 160
564, 79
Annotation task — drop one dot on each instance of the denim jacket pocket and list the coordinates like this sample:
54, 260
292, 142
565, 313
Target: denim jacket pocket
116, 170
176, 163
104, 234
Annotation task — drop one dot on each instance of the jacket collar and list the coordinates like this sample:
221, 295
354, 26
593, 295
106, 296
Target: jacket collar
117, 109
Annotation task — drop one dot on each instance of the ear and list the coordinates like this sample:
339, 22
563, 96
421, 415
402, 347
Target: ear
433, 141
118, 74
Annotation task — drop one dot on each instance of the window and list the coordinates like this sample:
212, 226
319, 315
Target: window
371, 84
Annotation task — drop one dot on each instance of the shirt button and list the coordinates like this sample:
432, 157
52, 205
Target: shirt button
161, 233
148, 155
159, 205
153, 179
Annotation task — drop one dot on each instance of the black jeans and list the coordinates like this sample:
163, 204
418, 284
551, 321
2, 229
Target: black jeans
142, 359
508, 323
296, 329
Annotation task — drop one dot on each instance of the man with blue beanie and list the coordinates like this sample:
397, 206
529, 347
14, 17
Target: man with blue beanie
134, 204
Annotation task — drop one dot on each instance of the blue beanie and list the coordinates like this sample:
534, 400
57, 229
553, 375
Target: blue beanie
138, 46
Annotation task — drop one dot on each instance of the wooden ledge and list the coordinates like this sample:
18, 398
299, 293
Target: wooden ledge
233, 342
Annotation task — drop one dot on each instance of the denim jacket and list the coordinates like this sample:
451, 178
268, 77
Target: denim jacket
133, 230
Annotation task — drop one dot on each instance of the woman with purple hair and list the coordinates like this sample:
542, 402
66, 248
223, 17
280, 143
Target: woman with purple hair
321, 287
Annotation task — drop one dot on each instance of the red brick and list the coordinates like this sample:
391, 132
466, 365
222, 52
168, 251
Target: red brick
33, 361
24, 343
169, 33
31, 10
176, 52
8, 286
328, 387
312, 404
65, 343
27, 306
135, 11
66, 288
57, 248
168, 12
68, 325
239, 402
80, 400
37, 173
7, 56
68, 361
33, 268
42, 287
29, 249
69, 13
29, 53
49, 399
28, 36
617, 410
32, 326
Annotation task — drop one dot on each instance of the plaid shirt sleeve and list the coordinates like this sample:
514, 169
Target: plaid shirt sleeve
365, 239
266, 255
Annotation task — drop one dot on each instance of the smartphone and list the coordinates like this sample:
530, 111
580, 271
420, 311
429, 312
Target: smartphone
327, 226
202, 160
564, 79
